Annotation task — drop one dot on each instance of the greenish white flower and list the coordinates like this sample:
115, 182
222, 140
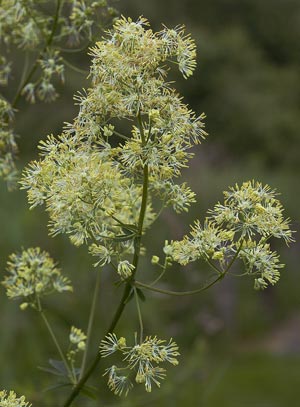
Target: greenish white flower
141, 360
77, 337
33, 274
125, 269
91, 184
238, 229
118, 384
30, 28
10, 399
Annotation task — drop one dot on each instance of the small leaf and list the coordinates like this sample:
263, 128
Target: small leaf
140, 294
130, 296
57, 386
59, 366
129, 227
123, 238
49, 370
90, 392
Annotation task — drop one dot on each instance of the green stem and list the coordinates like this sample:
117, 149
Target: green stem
128, 287
139, 314
75, 68
234, 257
121, 135
221, 275
160, 275
178, 293
52, 334
90, 323
213, 266
77, 388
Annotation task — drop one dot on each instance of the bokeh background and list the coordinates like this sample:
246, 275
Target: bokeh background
239, 348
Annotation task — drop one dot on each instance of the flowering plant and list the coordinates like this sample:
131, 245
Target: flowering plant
104, 187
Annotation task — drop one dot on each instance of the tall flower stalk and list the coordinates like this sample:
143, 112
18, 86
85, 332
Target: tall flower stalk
100, 185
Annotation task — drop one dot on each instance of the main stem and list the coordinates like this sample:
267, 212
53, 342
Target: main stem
128, 286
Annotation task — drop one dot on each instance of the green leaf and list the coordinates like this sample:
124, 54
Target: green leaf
123, 238
57, 386
128, 227
130, 296
90, 392
59, 366
140, 294
49, 370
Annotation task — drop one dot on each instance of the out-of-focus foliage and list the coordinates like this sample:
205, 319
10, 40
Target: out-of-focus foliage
248, 83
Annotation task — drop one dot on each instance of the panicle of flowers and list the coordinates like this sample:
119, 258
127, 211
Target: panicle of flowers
239, 228
33, 274
176, 43
140, 361
261, 262
43, 33
90, 184
51, 64
10, 399
252, 209
82, 188
84, 17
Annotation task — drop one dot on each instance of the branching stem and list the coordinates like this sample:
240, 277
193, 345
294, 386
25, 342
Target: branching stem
90, 323
139, 314
56, 343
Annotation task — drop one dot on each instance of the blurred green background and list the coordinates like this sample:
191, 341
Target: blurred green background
238, 347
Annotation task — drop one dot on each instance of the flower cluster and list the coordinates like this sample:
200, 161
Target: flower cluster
238, 228
141, 361
8, 146
43, 33
11, 400
33, 274
83, 188
90, 182
31, 28
77, 337
125, 269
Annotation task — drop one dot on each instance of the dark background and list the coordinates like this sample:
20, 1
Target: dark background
238, 347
